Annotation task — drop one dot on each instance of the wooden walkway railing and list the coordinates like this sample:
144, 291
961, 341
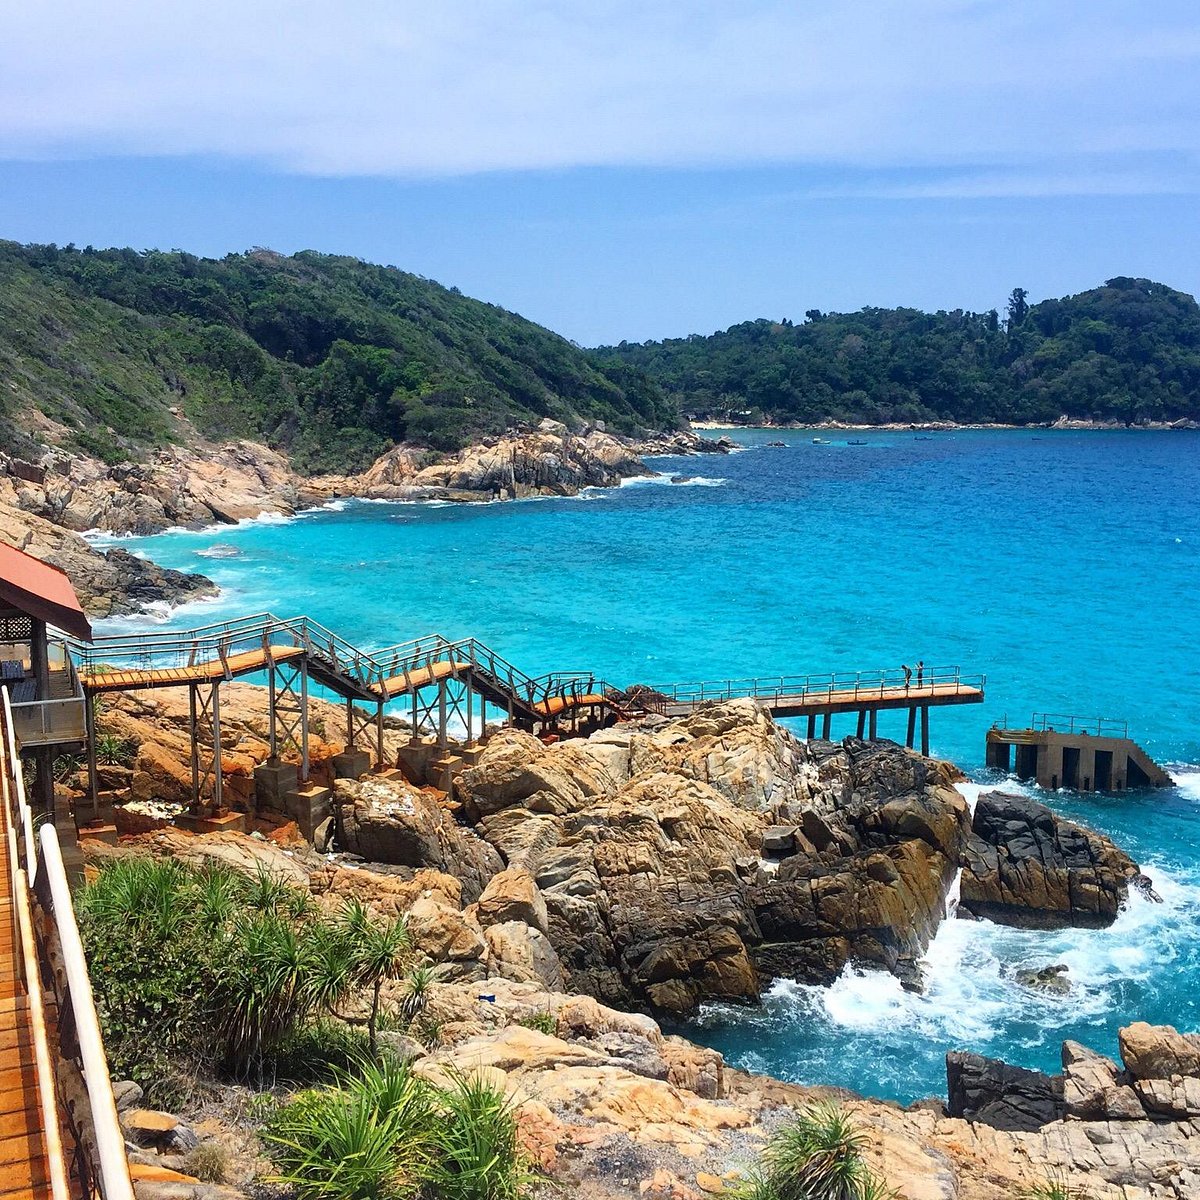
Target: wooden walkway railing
59, 1134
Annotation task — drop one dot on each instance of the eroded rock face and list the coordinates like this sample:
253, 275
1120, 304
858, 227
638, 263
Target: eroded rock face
1159, 1051
697, 859
1000, 1095
1026, 866
389, 821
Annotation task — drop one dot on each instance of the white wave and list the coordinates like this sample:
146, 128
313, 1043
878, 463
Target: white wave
161, 612
1187, 779
675, 480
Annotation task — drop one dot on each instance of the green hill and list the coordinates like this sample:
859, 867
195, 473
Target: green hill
1128, 351
329, 358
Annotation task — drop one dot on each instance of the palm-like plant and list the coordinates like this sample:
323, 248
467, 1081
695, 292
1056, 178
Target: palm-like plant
416, 994
380, 952
817, 1156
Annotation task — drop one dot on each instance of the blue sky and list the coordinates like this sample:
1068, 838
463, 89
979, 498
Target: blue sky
624, 170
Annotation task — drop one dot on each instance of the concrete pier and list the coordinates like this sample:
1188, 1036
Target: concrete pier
1083, 754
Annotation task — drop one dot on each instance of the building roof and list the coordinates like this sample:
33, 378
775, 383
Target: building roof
42, 591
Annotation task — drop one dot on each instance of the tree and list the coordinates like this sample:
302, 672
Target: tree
1018, 307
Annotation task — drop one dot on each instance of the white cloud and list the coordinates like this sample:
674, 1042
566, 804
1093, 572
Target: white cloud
391, 87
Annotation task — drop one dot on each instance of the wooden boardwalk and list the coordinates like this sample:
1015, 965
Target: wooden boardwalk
213, 670
818, 702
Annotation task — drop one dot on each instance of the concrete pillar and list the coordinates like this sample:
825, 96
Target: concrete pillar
812, 726
871, 725
1087, 769
826, 726
862, 722
1049, 765
925, 730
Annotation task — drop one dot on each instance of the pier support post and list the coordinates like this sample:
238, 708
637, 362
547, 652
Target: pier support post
379, 736
204, 724
826, 725
441, 701
349, 723
871, 726
862, 722
925, 730
910, 741
812, 726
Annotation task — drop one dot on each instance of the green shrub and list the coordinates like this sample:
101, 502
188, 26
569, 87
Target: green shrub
816, 1156
477, 1155
388, 1134
114, 751
206, 965
543, 1022
320, 1051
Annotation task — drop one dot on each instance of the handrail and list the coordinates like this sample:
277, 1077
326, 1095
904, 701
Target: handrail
371, 671
42, 878
1093, 726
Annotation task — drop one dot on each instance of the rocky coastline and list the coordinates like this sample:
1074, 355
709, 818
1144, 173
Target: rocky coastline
571, 897
46, 505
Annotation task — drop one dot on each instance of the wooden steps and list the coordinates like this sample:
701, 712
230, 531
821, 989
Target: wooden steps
211, 671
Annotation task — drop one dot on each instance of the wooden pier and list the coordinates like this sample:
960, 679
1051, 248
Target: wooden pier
865, 693
1085, 754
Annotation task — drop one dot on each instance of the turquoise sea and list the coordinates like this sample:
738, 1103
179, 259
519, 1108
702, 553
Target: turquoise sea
1064, 565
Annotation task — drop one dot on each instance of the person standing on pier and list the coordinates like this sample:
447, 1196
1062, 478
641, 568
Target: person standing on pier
907, 675
920, 671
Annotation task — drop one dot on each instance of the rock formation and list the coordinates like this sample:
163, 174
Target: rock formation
1026, 866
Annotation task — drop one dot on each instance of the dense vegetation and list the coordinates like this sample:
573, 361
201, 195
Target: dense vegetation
331, 359
1128, 351
203, 972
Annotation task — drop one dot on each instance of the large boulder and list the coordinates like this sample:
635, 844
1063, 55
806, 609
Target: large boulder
689, 860
1024, 865
1158, 1051
387, 820
1005, 1097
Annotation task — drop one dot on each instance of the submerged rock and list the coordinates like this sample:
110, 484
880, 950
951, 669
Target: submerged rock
1045, 979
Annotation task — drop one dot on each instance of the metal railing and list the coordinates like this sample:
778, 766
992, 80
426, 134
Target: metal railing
1068, 723
842, 685
370, 670
78, 1094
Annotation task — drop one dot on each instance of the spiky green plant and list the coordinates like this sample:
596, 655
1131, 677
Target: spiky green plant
380, 952
478, 1155
365, 1140
1056, 1187
416, 994
816, 1156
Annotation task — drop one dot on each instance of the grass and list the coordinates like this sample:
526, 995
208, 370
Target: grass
816, 1156
543, 1022
1056, 1187
208, 1162
389, 1134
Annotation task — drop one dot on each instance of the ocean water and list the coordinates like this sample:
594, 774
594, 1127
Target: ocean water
1064, 565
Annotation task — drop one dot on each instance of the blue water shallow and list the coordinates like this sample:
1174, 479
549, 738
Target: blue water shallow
1064, 565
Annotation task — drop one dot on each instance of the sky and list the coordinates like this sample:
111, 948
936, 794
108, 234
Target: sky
623, 170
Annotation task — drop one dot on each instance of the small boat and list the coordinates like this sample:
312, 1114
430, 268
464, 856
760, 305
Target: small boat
859, 443
819, 442
921, 437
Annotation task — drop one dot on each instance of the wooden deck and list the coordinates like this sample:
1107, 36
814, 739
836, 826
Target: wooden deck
859, 699
24, 1162
557, 705
245, 662
413, 681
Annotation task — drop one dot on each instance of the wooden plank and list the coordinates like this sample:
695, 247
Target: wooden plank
243, 663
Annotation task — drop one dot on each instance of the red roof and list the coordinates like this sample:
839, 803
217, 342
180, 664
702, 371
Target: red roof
42, 591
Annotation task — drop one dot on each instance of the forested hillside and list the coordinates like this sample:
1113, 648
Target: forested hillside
328, 358
1128, 351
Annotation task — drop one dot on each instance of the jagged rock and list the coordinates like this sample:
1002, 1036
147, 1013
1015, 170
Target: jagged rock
512, 895
1000, 1095
1025, 866
401, 1046
389, 821
1159, 1051
443, 933
1094, 1089
522, 953
1177, 1097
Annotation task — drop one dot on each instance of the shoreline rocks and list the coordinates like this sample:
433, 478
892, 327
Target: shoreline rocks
45, 505
1023, 865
